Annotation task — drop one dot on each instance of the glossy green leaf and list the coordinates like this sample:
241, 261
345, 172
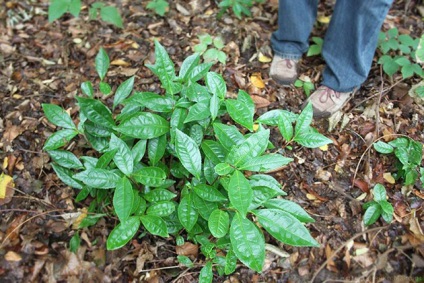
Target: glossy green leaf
311, 139
102, 63
87, 89
372, 213
240, 193
214, 151
230, 262
285, 126
111, 15
123, 233
138, 150
383, 147
199, 72
188, 65
161, 208
223, 169
198, 111
196, 133
252, 147
123, 199
97, 130
216, 84
209, 193
261, 180
304, 120
218, 223
242, 109
57, 8
187, 213
156, 149
248, 242
285, 227
65, 159
98, 178
155, 225
74, 243
228, 135
185, 260
96, 112
123, 91
272, 118
123, 157
209, 171
387, 211
65, 175
139, 205
99, 144
265, 163
59, 139
153, 101
290, 207
189, 154
58, 116
214, 105
157, 195
150, 176
203, 207
194, 92
206, 274
379, 193
144, 125
105, 88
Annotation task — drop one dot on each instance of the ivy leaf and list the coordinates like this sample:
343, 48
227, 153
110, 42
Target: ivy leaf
123, 199
240, 193
155, 225
122, 233
123, 157
102, 63
58, 116
248, 242
242, 109
144, 125
218, 223
123, 91
189, 154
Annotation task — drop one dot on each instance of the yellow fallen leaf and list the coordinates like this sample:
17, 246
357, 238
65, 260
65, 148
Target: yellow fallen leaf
257, 81
263, 58
120, 62
310, 197
12, 256
80, 218
324, 147
255, 127
6, 182
389, 178
324, 19
5, 163
135, 45
362, 196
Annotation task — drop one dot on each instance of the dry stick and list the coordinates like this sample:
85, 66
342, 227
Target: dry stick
342, 246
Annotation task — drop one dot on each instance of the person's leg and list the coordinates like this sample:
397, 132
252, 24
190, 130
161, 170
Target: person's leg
350, 42
295, 21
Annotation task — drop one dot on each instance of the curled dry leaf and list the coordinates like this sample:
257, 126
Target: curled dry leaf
187, 249
260, 102
256, 80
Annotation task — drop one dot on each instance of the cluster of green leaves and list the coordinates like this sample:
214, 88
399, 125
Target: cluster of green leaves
165, 164
239, 7
214, 53
379, 206
409, 154
109, 14
306, 84
160, 7
399, 53
316, 47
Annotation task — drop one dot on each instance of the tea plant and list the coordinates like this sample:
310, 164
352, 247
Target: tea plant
306, 84
239, 7
316, 48
160, 7
211, 54
109, 14
409, 154
165, 164
399, 54
379, 206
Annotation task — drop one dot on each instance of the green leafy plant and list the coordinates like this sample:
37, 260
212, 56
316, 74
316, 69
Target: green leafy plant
316, 48
239, 7
399, 53
379, 206
109, 14
165, 164
409, 154
305, 83
160, 7
211, 54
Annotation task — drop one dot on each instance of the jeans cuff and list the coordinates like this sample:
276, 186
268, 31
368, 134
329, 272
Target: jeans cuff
290, 56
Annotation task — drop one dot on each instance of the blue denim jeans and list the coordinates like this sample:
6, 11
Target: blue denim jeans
349, 43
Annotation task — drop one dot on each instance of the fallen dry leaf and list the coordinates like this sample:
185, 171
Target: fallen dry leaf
259, 101
263, 58
389, 178
120, 62
6, 188
257, 81
187, 249
12, 256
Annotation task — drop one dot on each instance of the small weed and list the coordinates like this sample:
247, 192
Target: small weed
239, 7
160, 7
305, 83
214, 53
316, 48
379, 206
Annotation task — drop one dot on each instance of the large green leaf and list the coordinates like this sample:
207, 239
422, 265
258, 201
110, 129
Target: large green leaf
155, 225
98, 178
218, 223
188, 65
372, 213
271, 118
153, 101
290, 207
150, 176
123, 91
228, 135
198, 111
267, 181
214, 151
59, 139
311, 139
304, 120
285, 126
65, 159
65, 175
248, 242
189, 154
240, 192
161, 208
187, 213
57, 8
123, 157
123, 233
157, 195
58, 116
285, 227
209, 193
199, 72
97, 130
252, 147
102, 63
265, 163
123, 199
111, 15
138, 150
144, 125
156, 149
242, 109
203, 207
96, 112
216, 84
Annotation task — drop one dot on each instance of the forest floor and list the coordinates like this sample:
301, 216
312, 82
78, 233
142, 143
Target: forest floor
42, 62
